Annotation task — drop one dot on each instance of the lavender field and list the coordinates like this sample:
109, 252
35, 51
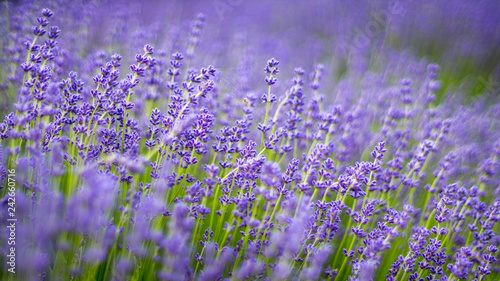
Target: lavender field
250, 140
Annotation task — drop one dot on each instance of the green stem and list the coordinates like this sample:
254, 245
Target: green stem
271, 218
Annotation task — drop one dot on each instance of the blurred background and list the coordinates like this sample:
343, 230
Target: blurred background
389, 37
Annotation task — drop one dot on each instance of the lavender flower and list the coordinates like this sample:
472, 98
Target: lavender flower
120, 161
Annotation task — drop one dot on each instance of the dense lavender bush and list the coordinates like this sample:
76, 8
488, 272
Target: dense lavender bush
152, 142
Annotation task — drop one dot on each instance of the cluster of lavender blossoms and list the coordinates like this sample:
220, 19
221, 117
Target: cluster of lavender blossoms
172, 151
